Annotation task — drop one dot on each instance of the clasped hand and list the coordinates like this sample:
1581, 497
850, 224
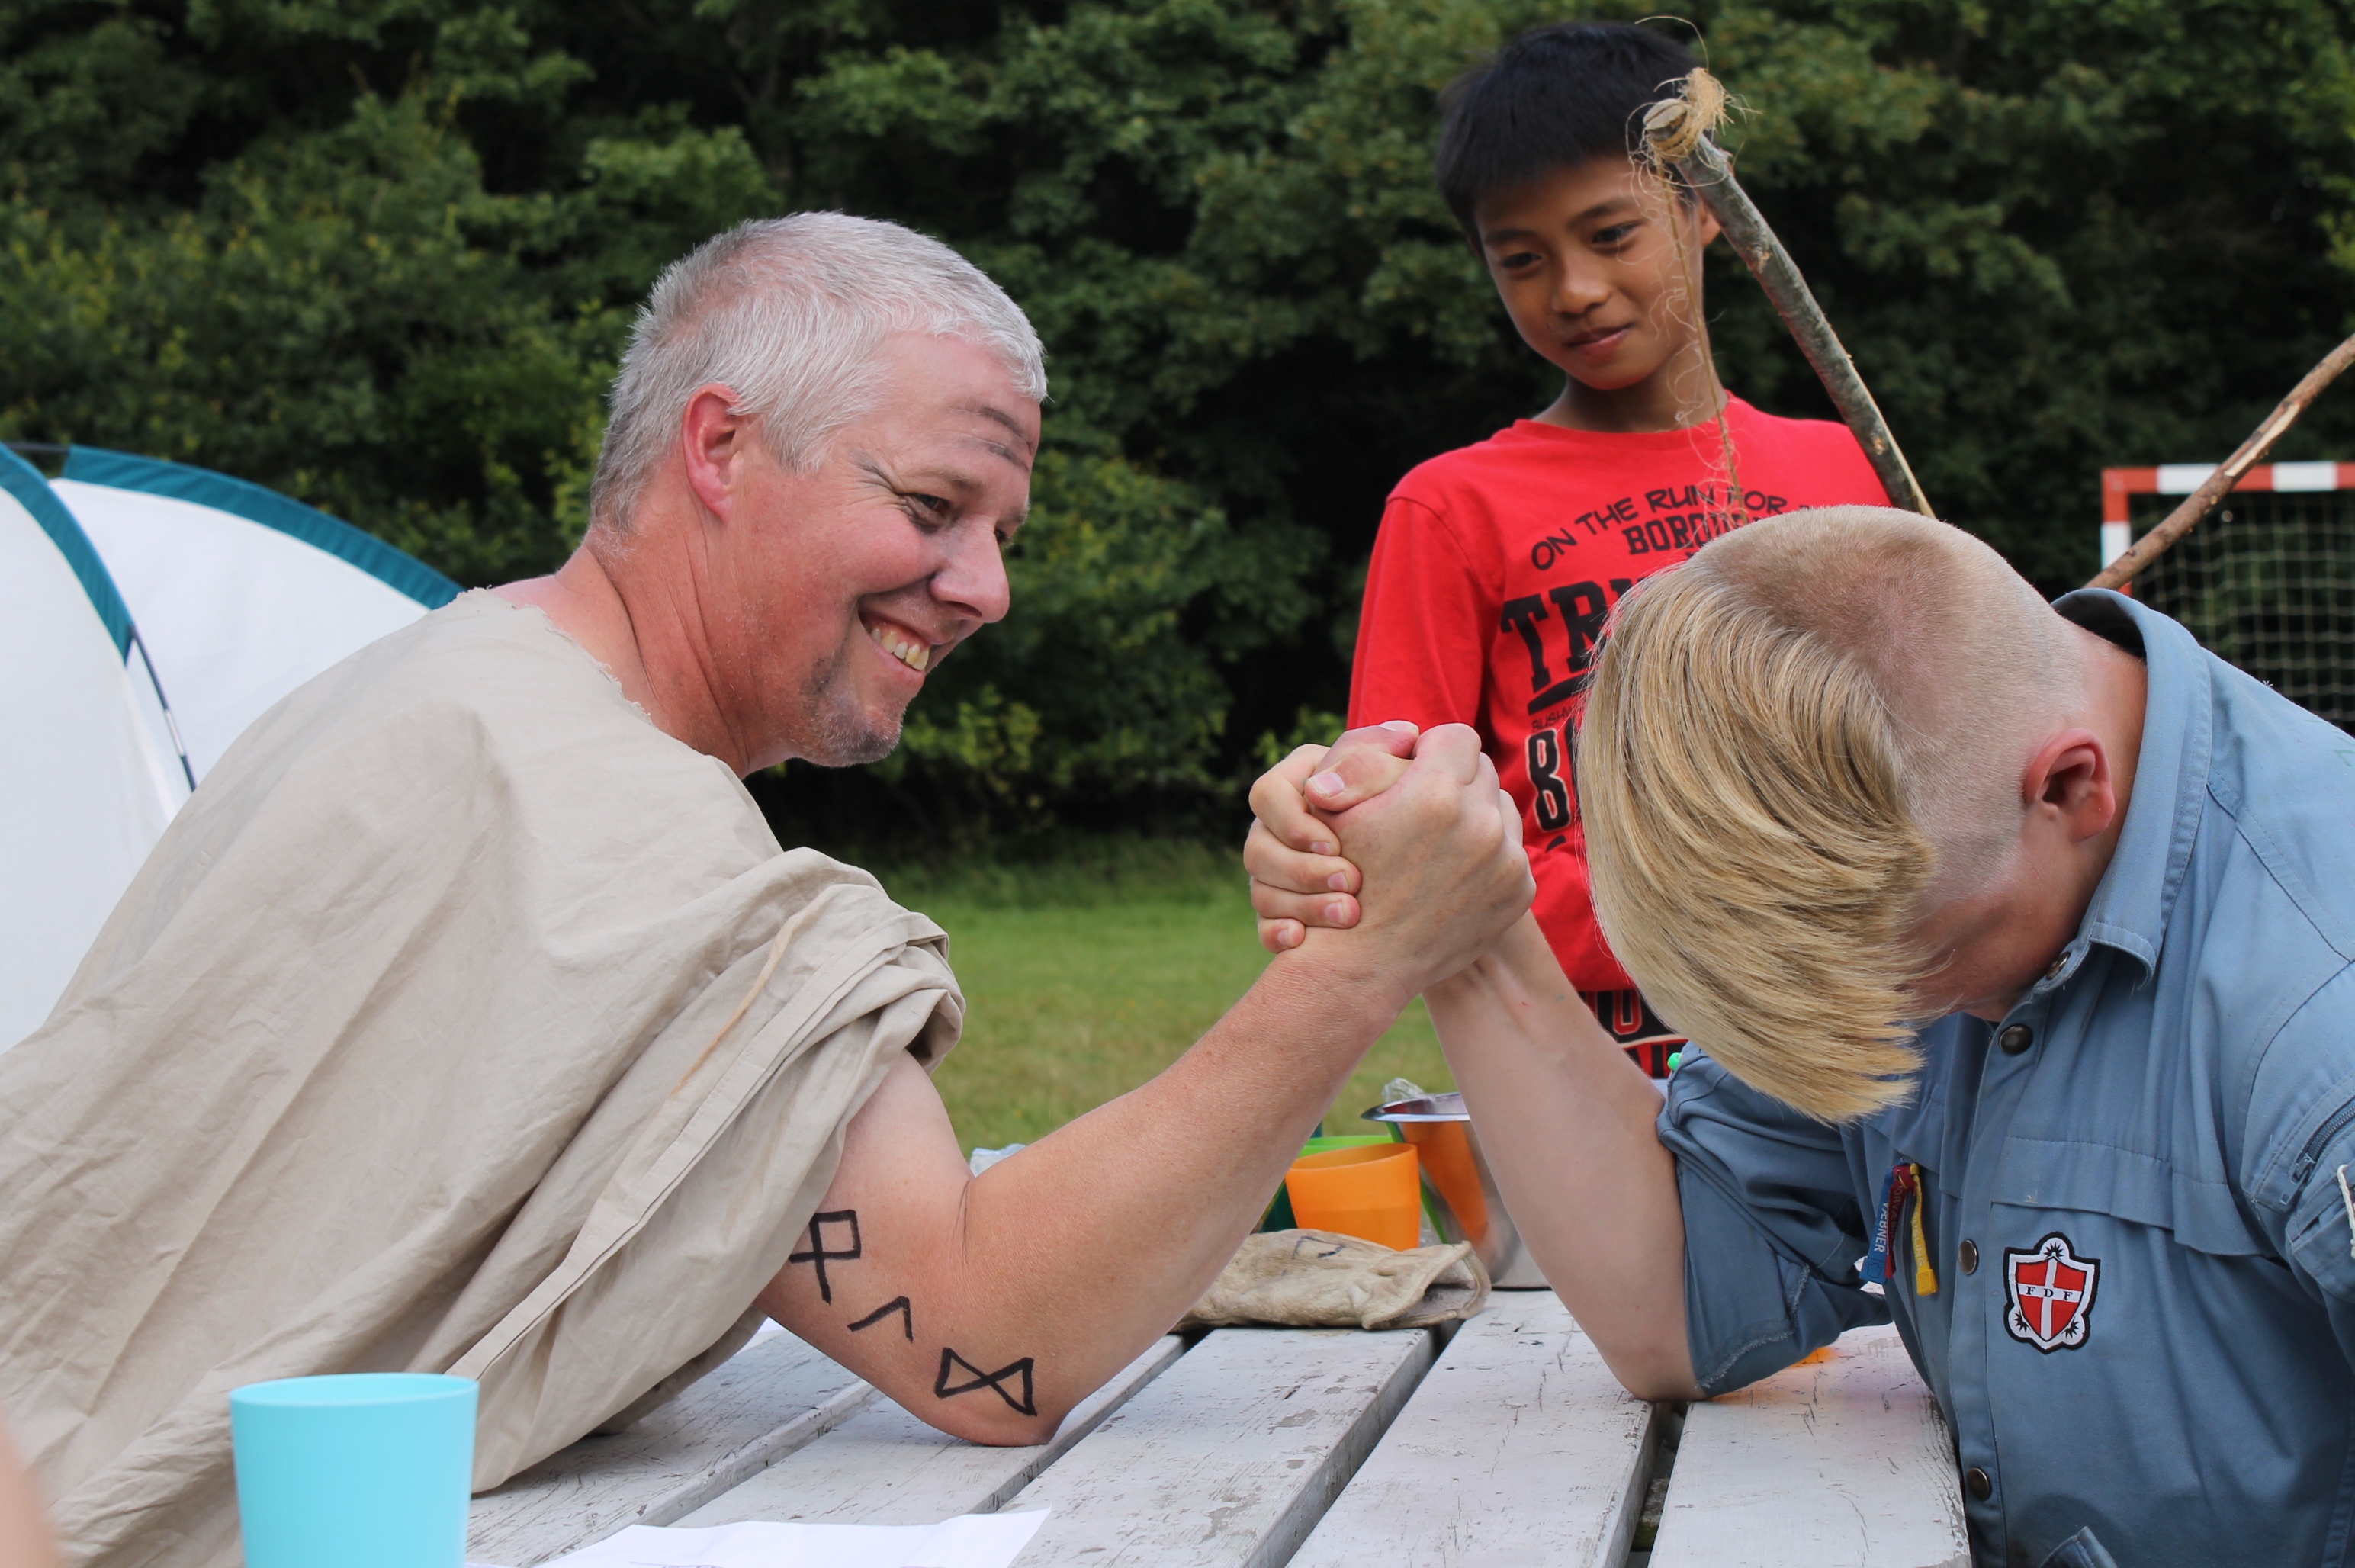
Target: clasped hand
1397, 840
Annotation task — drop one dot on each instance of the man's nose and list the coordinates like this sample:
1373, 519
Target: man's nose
973, 579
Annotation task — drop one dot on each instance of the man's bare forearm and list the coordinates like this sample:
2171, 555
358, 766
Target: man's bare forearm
1014, 1295
1151, 1193
1567, 1122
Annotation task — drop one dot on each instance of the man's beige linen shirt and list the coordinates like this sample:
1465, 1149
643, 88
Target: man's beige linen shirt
434, 1037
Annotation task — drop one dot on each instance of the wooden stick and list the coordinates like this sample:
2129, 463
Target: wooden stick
2200, 502
1707, 170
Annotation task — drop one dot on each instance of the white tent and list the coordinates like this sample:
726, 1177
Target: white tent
241, 595
125, 583
92, 776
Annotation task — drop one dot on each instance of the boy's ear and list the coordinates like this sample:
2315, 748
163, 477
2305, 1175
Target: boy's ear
1709, 225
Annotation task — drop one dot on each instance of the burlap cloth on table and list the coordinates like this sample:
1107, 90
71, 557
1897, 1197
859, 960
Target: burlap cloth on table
1314, 1279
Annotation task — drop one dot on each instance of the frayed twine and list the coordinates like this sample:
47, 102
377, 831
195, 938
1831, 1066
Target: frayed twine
1674, 127
1673, 132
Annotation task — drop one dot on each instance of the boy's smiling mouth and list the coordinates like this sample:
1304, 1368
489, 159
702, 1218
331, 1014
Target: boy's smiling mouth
1600, 337
901, 643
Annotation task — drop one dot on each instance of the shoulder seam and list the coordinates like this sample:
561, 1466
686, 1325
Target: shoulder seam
1447, 529
2278, 868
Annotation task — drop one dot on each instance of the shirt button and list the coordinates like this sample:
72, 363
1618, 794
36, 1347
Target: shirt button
1970, 1255
2016, 1039
1976, 1480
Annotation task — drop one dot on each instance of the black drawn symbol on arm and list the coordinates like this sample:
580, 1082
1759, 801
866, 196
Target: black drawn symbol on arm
898, 1304
817, 1253
951, 1361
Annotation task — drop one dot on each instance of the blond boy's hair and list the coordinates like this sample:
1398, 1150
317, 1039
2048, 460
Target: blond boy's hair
1795, 743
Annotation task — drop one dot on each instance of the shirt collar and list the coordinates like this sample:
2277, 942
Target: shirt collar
2130, 905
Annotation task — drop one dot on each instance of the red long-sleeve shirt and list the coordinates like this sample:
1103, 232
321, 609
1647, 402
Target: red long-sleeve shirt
1496, 567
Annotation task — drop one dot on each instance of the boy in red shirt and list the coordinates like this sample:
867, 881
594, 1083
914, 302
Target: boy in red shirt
1496, 564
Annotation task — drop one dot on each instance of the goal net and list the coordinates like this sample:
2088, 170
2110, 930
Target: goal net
2266, 581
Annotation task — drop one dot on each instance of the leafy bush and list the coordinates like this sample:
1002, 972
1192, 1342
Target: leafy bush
382, 253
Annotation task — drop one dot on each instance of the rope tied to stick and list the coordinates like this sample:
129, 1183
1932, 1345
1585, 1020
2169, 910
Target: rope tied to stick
1677, 146
1674, 127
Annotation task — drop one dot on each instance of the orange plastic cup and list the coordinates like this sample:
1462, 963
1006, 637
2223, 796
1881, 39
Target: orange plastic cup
1373, 1192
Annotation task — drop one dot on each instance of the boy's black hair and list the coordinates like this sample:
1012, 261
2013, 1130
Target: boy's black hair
1555, 96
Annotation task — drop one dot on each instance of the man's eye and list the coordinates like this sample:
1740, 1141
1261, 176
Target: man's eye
929, 509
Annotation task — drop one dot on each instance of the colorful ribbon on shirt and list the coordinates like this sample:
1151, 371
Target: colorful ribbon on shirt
1904, 1183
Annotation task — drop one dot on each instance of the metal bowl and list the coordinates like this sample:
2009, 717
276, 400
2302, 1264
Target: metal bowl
1455, 1175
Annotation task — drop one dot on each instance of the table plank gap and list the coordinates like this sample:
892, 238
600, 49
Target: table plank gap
1840, 1463
768, 1400
885, 1466
1229, 1458
1518, 1447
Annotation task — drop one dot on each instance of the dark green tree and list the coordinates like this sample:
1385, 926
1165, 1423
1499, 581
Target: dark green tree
382, 253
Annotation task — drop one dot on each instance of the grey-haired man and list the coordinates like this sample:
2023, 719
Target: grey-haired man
471, 1019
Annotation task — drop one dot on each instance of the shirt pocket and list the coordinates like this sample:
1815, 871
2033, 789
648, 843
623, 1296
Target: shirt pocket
2141, 1188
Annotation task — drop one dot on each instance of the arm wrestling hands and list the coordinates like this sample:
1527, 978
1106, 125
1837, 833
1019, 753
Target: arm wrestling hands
1565, 1118
989, 1306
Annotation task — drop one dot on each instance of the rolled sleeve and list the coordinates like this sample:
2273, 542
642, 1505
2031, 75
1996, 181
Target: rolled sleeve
1772, 1228
2321, 1232
2302, 1127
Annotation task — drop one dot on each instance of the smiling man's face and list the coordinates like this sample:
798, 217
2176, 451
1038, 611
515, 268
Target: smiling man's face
837, 592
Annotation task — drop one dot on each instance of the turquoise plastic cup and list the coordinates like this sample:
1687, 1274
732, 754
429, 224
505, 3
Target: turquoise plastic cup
363, 1470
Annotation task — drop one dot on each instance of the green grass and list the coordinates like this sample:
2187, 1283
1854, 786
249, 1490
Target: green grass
1086, 977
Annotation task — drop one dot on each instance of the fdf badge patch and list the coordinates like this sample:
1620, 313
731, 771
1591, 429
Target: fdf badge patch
2050, 1292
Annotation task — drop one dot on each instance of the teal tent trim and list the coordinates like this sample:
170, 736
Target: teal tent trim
395, 569
23, 481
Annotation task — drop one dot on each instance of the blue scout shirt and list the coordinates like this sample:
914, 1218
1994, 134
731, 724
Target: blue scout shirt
2144, 1313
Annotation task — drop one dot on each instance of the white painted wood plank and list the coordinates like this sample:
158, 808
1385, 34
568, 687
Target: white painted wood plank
1520, 1447
1839, 1462
1227, 1459
769, 1399
885, 1466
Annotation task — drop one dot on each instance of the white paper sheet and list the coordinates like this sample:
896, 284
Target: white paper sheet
969, 1540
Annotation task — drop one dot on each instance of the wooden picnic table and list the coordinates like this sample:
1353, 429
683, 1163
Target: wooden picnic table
1502, 1443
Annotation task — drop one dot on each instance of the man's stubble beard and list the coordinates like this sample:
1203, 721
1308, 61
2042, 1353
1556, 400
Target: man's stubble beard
840, 732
